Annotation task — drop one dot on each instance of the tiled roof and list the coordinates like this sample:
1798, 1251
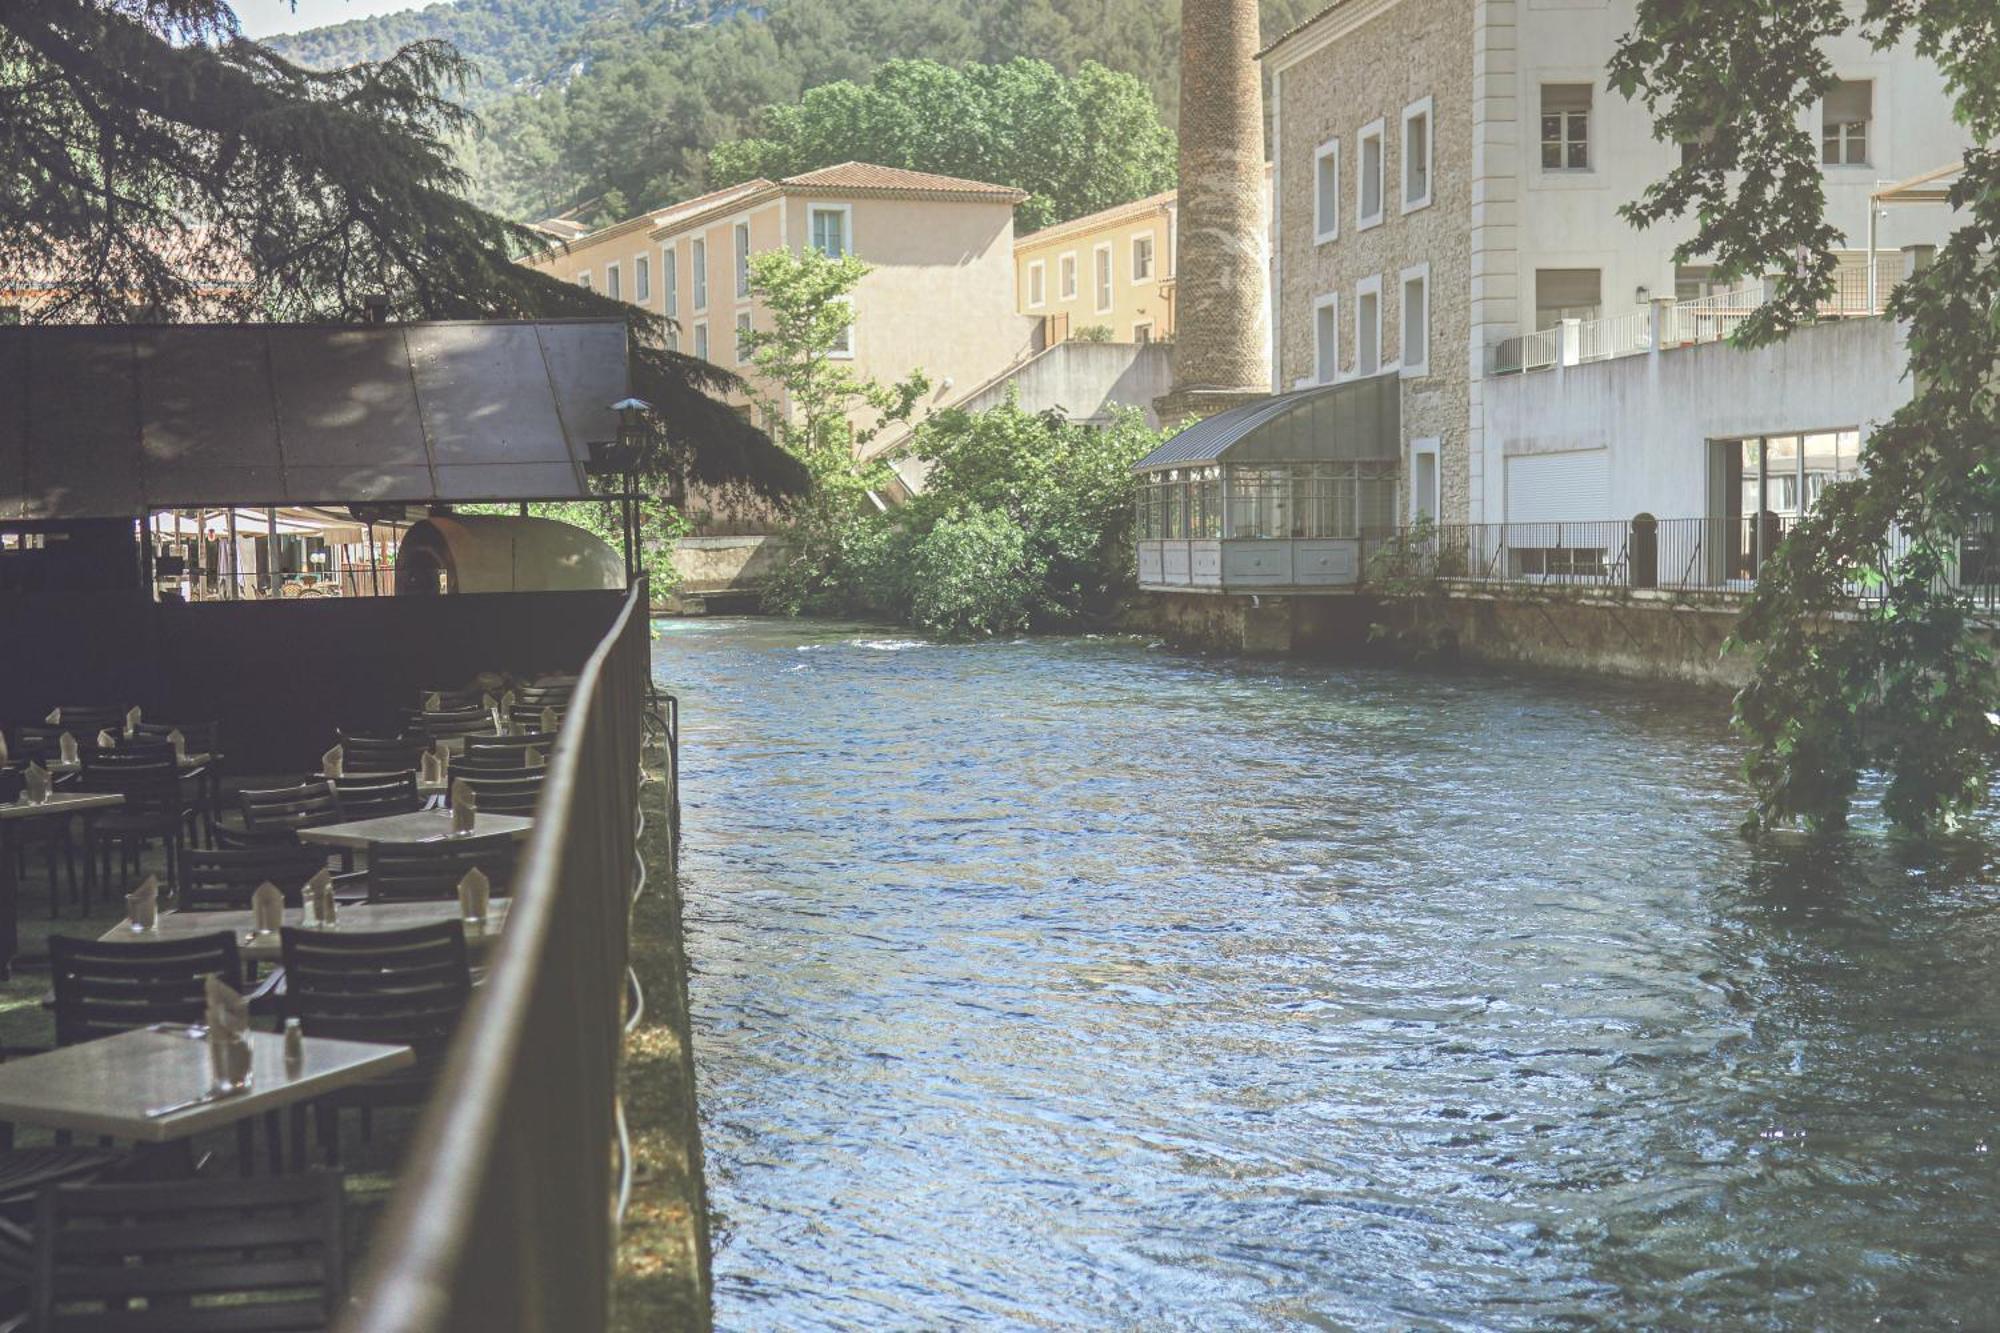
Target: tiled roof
896, 180
1298, 28
672, 213
1117, 212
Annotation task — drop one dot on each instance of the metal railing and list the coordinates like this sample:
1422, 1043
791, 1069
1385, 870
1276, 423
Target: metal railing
1702, 319
503, 1217
1716, 555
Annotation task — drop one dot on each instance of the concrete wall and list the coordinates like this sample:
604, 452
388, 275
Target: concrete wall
1654, 414
1387, 58
726, 564
1134, 301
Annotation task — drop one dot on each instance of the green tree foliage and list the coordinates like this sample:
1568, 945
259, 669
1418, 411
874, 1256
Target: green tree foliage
633, 110
820, 410
1074, 143
1907, 685
150, 149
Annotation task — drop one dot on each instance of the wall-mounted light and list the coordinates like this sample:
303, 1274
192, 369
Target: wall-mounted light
1643, 295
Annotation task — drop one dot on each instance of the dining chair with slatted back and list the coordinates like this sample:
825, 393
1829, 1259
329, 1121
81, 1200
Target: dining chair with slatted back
278, 813
105, 988
506, 796
153, 808
259, 1255
222, 879
380, 754
406, 987
430, 871
372, 795
457, 722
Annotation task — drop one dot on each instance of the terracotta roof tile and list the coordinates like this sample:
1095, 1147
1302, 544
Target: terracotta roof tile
869, 176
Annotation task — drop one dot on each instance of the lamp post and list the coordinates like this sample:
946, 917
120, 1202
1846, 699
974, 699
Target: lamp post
620, 458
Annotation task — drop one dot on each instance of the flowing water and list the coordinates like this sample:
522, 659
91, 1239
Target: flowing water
1080, 984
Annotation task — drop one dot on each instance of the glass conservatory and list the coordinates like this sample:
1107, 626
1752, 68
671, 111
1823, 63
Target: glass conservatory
1272, 496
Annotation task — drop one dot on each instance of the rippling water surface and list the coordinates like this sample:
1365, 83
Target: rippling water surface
1078, 984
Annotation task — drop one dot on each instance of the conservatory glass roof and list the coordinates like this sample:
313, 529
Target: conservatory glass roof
1359, 419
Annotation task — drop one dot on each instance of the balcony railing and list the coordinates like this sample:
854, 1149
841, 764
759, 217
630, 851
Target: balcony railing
1714, 555
1703, 319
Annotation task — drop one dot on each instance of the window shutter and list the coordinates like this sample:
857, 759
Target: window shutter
1565, 97
1849, 101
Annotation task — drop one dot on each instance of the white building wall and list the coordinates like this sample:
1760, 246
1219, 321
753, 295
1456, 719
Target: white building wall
1653, 416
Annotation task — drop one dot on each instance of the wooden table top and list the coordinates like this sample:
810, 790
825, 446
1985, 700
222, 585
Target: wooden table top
69, 803
416, 826
356, 917
107, 1086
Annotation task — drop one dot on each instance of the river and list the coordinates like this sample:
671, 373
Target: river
1076, 983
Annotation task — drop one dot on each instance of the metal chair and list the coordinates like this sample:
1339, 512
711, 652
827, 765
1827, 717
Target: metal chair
508, 795
454, 722
276, 814
263, 1255
371, 795
222, 879
492, 764
429, 871
86, 720
197, 738
153, 809
407, 987
380, 754
102, 989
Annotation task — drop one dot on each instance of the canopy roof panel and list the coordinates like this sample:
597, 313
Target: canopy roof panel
107, 421
1357, 420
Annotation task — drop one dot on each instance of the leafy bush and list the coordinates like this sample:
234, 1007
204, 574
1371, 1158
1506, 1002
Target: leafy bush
973, 574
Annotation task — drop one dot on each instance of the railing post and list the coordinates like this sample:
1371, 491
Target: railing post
1570, 348
1659, 323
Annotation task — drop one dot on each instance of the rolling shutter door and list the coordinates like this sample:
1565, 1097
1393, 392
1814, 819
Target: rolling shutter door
1559, 488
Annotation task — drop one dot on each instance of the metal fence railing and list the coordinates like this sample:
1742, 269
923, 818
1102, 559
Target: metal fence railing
503, 1216
1720, 555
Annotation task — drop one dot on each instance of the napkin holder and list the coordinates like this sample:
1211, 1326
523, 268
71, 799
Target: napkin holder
267, 909
142, 906
464, 807
475, 895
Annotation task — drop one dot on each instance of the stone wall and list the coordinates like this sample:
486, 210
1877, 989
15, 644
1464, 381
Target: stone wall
1397, 55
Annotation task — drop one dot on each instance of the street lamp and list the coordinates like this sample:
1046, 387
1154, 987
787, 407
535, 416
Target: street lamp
620, 458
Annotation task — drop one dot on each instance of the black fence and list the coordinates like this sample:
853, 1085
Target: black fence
503, 1218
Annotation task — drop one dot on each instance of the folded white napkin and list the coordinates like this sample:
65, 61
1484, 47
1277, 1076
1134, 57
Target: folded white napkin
429, 771
106, 741
532, 757
332, 762
180, 744
66, 747
550, 722
35, 784
475, 892
54, 718
132, 722
267, 907
319, 899
464, 806
3, 749
492, 707
433, 702
142, 905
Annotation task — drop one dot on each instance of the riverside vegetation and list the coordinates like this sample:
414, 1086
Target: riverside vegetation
1025, 521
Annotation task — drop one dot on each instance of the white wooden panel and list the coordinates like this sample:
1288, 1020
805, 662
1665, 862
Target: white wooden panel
1325, 562
1570, 487
1149, 562
1205, 563
1256, 563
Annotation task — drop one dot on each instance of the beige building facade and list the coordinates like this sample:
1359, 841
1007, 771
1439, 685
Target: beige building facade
939, 296
1373, 146
1111, 270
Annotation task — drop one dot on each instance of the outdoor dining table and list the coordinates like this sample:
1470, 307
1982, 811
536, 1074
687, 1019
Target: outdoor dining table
415, 826
152, 1085
61, 805
266, 946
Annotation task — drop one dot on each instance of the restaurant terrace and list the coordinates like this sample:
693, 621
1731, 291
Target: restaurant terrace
328, 793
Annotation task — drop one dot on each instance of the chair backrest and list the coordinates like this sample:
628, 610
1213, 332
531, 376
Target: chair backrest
199, 736
454, 722
147, 778
413, 871
370, 795
402, 986
93, 718
514, 747
261, 1255
104, 988
507, 796
285, 809
39, 740
380, 754
450, 699
491, 764
220, 879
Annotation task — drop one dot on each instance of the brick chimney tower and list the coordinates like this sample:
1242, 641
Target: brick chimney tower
1221, 337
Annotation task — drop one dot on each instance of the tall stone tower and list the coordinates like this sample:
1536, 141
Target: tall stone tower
1221, 338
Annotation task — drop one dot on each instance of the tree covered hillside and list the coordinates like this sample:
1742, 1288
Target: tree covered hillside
618, 112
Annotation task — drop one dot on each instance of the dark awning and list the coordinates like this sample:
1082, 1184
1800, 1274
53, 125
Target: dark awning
105, 421
1357, 420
